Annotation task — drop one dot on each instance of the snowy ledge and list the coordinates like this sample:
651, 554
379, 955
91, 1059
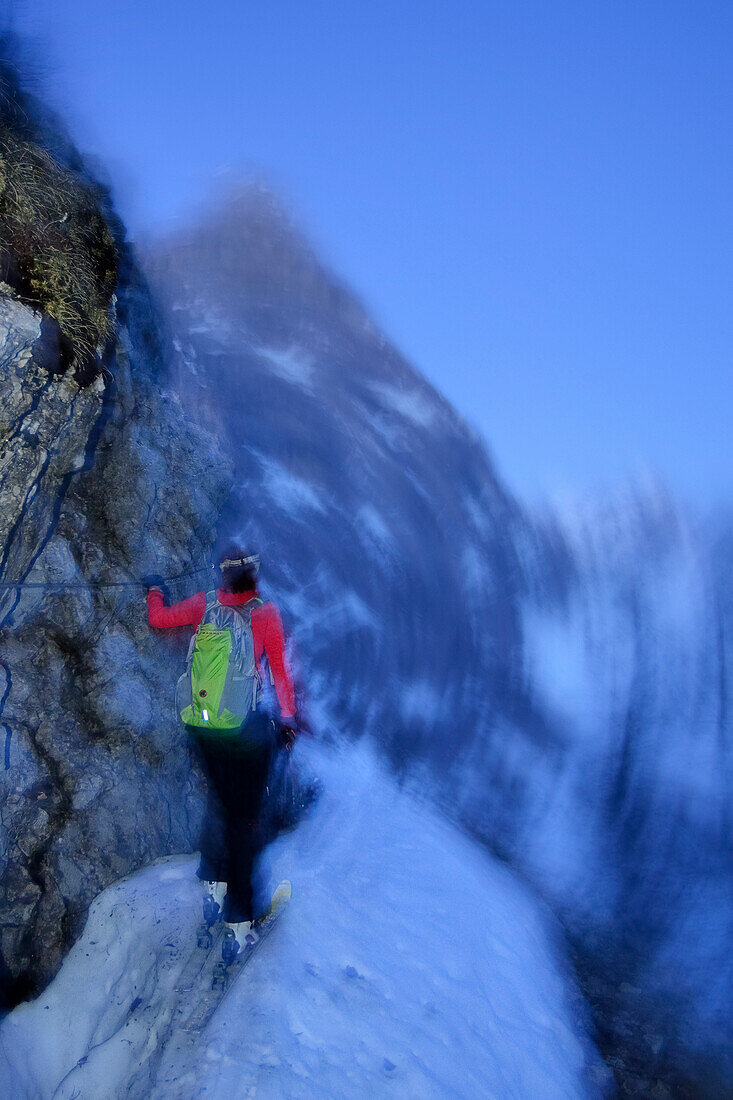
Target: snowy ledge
409, 964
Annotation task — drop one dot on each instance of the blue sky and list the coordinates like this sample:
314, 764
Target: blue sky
533, 199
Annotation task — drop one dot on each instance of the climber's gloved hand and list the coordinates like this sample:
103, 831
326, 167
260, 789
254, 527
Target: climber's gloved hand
153, 581
287, 733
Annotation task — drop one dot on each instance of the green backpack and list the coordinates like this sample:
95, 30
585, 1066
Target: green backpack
221, 685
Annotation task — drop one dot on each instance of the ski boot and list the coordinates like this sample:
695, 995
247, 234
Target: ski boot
214, 894
237, 936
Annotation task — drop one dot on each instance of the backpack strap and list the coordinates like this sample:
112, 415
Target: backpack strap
241, 608
211, 600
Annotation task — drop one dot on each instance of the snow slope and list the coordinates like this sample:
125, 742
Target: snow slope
409, 964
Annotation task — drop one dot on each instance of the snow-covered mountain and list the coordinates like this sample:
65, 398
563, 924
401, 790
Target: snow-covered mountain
558, 682
383, 527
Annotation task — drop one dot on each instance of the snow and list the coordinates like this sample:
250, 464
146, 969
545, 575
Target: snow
475, 570
211, 321
334, 616
417, 406
409, 964
286, 490
294, 365
627, 829
375, 527
422, 697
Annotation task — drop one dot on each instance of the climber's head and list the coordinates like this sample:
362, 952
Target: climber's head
239, 569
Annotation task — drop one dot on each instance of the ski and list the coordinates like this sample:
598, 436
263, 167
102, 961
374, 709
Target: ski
223, 976
195, 975
199, 991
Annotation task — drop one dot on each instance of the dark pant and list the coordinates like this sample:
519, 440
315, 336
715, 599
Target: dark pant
233, 836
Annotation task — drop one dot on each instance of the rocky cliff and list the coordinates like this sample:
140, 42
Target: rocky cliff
103, 479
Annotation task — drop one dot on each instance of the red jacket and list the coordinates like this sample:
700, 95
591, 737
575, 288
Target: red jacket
267, 631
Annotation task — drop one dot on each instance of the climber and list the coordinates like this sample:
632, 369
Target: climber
232, 735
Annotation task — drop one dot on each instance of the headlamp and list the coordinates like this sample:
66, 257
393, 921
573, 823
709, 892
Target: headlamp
253, 561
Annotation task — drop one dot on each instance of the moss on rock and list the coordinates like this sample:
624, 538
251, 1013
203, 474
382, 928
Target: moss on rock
57, 250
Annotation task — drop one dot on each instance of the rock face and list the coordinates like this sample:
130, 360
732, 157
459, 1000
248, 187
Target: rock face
46, 423
100, 485
102, 480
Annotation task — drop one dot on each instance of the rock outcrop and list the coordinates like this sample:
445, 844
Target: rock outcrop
104, 479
